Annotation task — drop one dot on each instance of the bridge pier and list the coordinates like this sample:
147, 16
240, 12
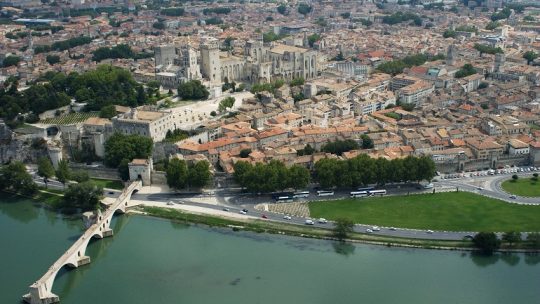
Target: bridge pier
108, 233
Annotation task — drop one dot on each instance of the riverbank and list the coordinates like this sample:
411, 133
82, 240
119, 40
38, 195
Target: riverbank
262, 226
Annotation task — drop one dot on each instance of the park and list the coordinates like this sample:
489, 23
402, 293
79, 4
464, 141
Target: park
522, 186
450, 211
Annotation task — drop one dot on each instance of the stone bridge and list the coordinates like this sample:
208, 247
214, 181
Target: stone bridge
41, 290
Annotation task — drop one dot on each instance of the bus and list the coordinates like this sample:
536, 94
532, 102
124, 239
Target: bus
286, 199
355, 194
276, 195
377, 192
301, 194
366, 189
325, 193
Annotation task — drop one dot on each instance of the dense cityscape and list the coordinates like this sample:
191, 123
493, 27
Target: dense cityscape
411, 123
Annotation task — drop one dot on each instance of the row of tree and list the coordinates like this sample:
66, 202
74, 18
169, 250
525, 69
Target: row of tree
488, 242
270, 177
63, 45
397, 66
364, 170
115, 52
180, 175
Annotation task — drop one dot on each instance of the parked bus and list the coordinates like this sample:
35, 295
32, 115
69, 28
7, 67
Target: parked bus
276, 195
355, 194
377, 192
286, 199
325, 193
366, 189
301, 194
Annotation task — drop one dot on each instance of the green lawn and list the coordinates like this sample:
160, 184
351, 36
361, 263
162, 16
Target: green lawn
106, 183
522, 187
453, 211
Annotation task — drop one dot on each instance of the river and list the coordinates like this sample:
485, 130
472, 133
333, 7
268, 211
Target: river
156, 261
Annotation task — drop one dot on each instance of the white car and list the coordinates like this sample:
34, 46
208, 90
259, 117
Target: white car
375, 228
243, 212
369, 230
430, 231
170, 203
322, 220
310, 222
392, 229
287, 217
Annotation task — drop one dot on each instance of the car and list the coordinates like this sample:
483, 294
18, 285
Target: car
322, 220
310, 222
287, 217
468, 236
369, 230
110, 192
243, 212
264, 216
392, 229
375, 228
513, 196
428, 186
225, 209
479, 188
430, 231
170, 203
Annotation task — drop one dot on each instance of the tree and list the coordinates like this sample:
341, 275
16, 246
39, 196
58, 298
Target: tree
177, 174
63, 172
515, 178
245, 153
52, 59
158, 25
304, 9
343, 228
282, 9
120, 146
241, 168
466, 70
313, 38
340, 146
534, 240
45, 169
492, 25
449, 34
367, 142
487, 242
226, 103
486, 49
511, 238
346, 15
298, 177
123, 169
108, 111
15, 178
11, 61
307, 150
199, 174
297, 81
80, 176
530, 56
193, 89
85, 195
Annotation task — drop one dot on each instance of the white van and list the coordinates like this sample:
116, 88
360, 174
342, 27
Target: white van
310, 222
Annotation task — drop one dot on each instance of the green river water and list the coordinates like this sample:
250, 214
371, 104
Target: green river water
156, 261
